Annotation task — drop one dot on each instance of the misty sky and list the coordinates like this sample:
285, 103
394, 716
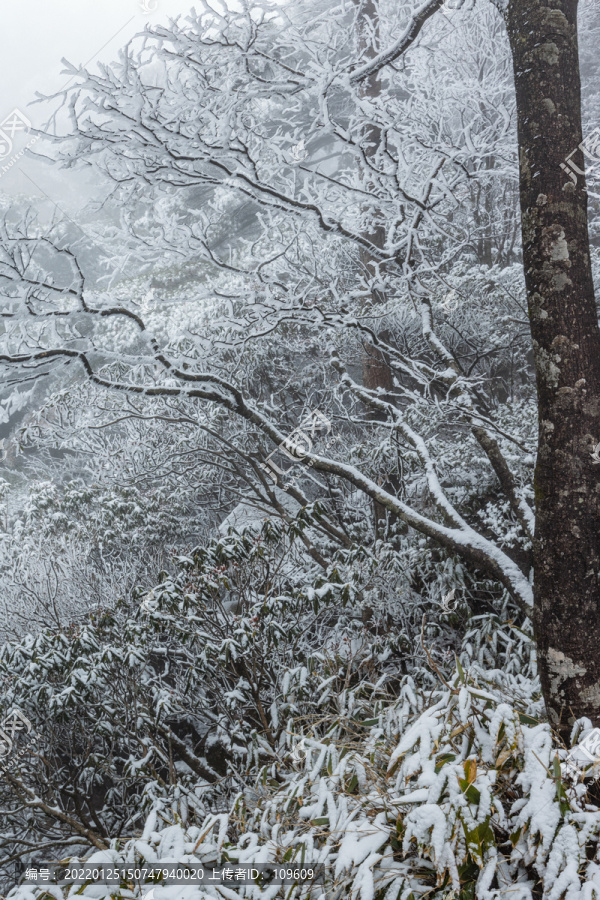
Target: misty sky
36, 35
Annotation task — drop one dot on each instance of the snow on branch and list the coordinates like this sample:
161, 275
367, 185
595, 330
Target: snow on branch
400, 46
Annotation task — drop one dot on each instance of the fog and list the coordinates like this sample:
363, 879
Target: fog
35, 38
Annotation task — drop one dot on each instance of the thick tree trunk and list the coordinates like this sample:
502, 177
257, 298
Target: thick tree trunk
566, 342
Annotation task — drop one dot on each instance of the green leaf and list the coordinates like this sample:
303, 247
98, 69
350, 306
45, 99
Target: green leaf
561, 796
470, 791
514, 837
484, 834
472, 794
352, 784
442, 760
527, 720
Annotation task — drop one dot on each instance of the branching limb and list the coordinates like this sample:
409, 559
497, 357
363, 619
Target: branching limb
405, 41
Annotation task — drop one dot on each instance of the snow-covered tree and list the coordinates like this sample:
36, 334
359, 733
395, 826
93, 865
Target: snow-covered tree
333, 183
226, 120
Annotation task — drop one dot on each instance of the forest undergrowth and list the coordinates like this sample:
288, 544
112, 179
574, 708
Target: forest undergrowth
250, 710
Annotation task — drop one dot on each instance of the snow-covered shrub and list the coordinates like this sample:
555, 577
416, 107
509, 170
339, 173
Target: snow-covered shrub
168, 729
452, 792
68, 548
184, 691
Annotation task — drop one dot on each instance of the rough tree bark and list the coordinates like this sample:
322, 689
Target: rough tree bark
566, 342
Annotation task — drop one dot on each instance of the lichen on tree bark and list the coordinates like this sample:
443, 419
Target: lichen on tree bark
566, 343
